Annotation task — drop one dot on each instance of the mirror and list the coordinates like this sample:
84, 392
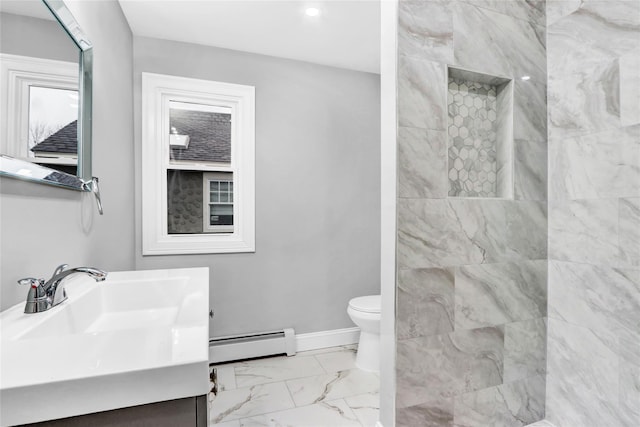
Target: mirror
46, 77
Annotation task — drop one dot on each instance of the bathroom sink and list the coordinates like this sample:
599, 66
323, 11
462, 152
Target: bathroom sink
138, 337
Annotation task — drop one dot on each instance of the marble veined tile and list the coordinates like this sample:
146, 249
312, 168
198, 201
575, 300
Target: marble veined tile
530, 110
525, 349
234, 423
425, 303
425, 30
437, 233
226, 377
629, 377
366, 407
629, 223
249, 401
422, 94
310, 390
584, 100
558, 9
331, 413
429, 368
605, 300
629, 348
582, 379
585, 34
422, 163
569, 405
584, 231
494, 43
261, 371
529, 10
338, 360
600, 165
585, 67
495, 294
542, 423
530, 170
430, 235
327, 350
513, 404
434, 413
630, 88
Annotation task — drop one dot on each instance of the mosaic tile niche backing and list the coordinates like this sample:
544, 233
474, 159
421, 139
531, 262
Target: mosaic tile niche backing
472, 138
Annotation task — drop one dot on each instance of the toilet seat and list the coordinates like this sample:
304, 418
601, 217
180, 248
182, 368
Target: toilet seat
367, 304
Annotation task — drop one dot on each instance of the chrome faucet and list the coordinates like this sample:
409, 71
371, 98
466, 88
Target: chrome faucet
44, 295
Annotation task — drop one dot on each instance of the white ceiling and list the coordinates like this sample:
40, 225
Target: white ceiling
345, 35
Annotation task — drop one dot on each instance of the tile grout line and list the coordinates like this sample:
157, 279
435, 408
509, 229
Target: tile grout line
300, 407
295, 405
315, 356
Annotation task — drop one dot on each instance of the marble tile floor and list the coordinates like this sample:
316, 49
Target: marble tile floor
320, 388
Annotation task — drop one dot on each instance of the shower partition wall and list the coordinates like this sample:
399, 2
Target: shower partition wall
594, 213
471, 251
474, 281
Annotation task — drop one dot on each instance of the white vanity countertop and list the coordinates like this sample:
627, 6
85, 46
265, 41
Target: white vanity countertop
138, 337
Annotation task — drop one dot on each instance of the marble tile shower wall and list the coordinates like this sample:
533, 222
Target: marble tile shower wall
594, 213
472, 273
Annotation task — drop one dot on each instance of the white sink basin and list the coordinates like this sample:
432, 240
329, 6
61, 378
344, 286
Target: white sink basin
138, 337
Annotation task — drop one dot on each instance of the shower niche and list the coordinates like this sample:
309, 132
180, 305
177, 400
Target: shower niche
480, 135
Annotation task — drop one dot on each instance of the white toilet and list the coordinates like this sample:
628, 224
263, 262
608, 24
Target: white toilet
365, 313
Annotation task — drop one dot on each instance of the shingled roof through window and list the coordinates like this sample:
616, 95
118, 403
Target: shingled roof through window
209, 135
63, 141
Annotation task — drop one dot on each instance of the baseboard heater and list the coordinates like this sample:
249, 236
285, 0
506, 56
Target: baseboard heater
238, 347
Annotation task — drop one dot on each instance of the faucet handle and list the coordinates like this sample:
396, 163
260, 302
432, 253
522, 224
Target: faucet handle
30, 281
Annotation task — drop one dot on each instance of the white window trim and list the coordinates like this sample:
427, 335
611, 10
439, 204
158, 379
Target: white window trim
17, 75
157, 91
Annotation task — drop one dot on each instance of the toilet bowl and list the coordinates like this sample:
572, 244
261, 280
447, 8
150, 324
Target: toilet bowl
365, 313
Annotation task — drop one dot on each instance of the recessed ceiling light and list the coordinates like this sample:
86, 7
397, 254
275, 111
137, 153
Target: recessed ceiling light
525, 77
312, 11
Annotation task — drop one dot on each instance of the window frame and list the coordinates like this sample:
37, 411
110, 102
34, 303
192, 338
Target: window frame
157, 92
19, 73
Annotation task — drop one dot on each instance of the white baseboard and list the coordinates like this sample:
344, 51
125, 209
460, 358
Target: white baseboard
324, 339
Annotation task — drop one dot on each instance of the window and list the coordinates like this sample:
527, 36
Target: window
42, 111
218, 206
197, 166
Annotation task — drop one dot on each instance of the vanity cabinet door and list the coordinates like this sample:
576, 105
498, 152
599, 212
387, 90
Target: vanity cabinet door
187, 412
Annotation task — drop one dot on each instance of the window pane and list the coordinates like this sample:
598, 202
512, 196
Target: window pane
221, 215
224, 185
199, 132
53, 121
224, 198
184, 202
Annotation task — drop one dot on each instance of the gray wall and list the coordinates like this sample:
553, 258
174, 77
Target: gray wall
317, 190
472, 272
594, 214
42, 226
39, 38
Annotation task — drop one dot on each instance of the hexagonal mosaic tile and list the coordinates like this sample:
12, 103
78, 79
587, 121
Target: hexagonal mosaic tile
472, 139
